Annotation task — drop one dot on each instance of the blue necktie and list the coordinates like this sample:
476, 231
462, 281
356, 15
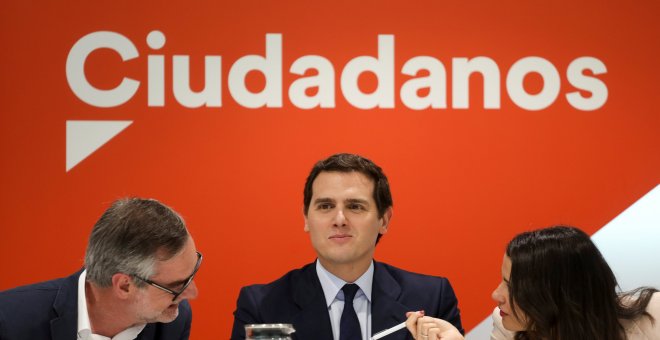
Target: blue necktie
349, 326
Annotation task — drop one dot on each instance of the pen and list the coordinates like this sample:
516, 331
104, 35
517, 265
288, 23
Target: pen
388, 331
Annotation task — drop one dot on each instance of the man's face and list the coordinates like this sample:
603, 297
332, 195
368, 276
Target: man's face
156, 305
342, 219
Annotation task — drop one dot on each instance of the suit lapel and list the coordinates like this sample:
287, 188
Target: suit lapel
386, 310
65, 325
312, 320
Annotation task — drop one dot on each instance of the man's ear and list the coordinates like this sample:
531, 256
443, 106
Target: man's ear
387, 217
305, 217
122, 285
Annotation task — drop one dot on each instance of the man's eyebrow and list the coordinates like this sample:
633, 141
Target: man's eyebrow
178, 283
323, 200
357, 200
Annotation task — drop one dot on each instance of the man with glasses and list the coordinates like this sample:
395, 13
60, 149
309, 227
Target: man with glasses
139, 269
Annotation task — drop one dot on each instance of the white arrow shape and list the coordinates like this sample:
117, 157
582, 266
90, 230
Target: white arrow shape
84, 137
631, 245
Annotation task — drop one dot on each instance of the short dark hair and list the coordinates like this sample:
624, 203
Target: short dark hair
345, 162
130, 236
566, 289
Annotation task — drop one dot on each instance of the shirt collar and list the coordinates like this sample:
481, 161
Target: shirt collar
331, 284
84, 325
84, 328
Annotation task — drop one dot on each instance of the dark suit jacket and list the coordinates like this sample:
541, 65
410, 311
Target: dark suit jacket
49, 311
297, 298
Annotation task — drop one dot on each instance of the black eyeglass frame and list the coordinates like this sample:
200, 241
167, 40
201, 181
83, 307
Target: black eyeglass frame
185, 286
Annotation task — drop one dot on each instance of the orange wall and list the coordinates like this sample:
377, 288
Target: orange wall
464, 180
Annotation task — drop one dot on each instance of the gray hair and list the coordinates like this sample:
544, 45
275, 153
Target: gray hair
130, 236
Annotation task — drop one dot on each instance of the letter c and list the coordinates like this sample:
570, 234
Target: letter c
75, 69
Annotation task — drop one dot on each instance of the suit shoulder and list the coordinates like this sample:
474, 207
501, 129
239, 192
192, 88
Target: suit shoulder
25, 311
416, 285
43, 292
405, 276
275, 302
416, 291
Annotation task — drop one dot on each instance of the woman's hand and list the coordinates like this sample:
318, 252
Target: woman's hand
427, 328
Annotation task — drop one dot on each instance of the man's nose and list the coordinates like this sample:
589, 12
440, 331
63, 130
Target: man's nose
340, 219
190, 292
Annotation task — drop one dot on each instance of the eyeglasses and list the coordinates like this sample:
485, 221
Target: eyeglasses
185, 285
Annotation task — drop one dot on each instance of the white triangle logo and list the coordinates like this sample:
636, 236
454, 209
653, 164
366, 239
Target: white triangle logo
83, 137
629, 243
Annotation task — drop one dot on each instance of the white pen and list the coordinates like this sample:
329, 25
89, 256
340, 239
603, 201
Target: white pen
388, 331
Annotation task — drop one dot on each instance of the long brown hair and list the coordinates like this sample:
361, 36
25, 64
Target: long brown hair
565, 289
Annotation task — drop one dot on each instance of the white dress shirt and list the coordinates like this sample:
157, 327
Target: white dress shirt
84, 325
334, 298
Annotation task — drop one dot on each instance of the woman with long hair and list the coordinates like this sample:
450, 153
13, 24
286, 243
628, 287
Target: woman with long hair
556, 285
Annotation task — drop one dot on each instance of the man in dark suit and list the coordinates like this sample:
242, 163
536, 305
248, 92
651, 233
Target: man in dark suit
139, 268
345, 294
